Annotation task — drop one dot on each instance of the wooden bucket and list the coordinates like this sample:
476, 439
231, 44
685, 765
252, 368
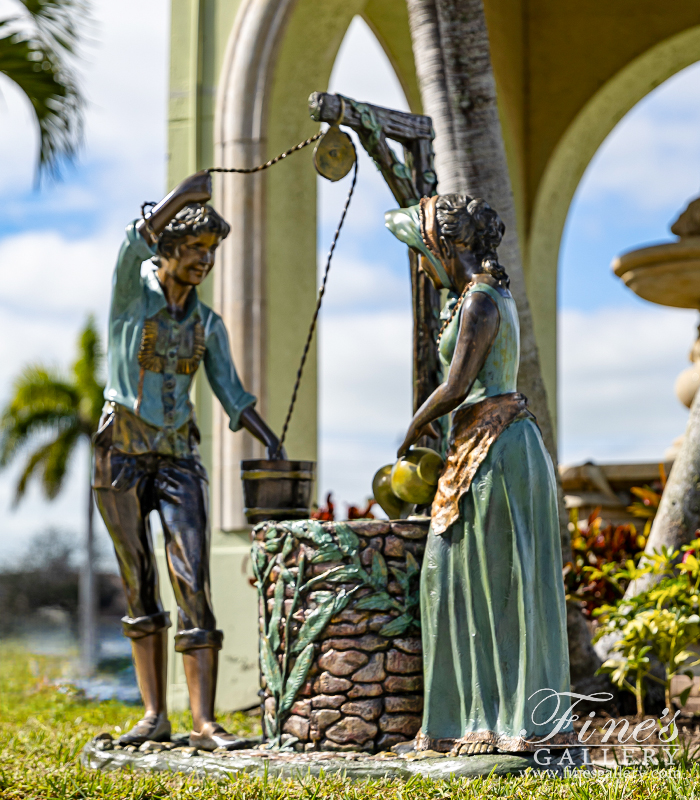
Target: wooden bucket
277, 490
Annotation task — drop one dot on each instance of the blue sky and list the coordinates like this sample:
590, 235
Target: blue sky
618, 355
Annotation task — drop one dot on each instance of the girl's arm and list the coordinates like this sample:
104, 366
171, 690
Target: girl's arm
478, 326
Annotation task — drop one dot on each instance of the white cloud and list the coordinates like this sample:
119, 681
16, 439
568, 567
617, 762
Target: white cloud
365, 397
617, 370
652, 157
356, 283
46, 274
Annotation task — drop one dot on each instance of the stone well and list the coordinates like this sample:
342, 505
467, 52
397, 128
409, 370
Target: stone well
340, 647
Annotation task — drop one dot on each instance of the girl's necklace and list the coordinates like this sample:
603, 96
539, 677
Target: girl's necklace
454, 311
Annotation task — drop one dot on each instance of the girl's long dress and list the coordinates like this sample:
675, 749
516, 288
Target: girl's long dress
492, 595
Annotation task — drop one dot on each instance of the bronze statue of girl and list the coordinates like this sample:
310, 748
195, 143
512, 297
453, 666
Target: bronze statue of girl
492, 596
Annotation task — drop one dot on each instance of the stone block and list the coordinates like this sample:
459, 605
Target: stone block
395, 588
393, 547
269, 706
340, 748
319, 569
370, 643
329, 684
346, 629
369, 710
410, 702
302, 708
378, 621
367, 556
321, 719
402, 683
366, 690
409, 645
351, 730
417, 548
297, 726
407, 725
404, 664
341, 663
306, 690
374, 671
328, 700
410, 530
349, 615
374, 527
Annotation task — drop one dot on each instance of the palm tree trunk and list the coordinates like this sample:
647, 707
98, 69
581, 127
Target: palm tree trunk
458, 90
678, 517
88, 595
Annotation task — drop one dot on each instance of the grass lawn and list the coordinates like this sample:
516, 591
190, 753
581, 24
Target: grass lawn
44, 726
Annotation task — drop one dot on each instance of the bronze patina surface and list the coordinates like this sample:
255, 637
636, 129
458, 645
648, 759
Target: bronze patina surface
474, 429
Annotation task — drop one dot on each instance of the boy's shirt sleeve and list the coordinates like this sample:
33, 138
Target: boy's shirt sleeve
126, 285
222, 375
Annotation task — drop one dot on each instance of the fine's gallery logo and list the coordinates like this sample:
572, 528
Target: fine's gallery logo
554, 713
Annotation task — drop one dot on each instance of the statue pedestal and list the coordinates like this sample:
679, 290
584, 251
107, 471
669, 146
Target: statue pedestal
101, 755
340, 647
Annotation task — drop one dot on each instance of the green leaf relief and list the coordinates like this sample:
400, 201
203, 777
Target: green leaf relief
401, 171
327, 552
315, 623
270, 532
376, 602
380, 573
343, 574
397, 626
413, 599
259, 561
273, 630
412, 568
402, 579
347, 538
270, 667
319, 536
296, 677
288, 546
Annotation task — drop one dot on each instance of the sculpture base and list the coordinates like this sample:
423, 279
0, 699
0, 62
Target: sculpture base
356, 766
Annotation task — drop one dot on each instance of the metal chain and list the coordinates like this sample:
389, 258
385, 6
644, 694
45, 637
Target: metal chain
250, 170
321, 292
272, 161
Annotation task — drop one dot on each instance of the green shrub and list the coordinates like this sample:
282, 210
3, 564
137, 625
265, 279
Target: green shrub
661, 622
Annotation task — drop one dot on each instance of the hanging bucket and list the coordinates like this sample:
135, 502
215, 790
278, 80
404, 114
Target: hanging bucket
277, 490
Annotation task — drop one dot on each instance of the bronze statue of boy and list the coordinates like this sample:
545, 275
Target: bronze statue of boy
146, 456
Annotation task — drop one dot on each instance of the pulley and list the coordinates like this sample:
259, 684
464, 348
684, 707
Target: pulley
334, 155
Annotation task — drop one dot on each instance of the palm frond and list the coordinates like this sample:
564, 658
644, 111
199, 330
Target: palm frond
52, 460
87, 372
58, 20
41, 401
37, 57
56, 462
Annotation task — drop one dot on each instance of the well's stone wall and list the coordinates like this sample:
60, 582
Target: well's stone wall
340, 652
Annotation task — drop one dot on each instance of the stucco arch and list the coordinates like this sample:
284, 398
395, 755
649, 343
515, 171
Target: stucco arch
565, 169
278, 53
